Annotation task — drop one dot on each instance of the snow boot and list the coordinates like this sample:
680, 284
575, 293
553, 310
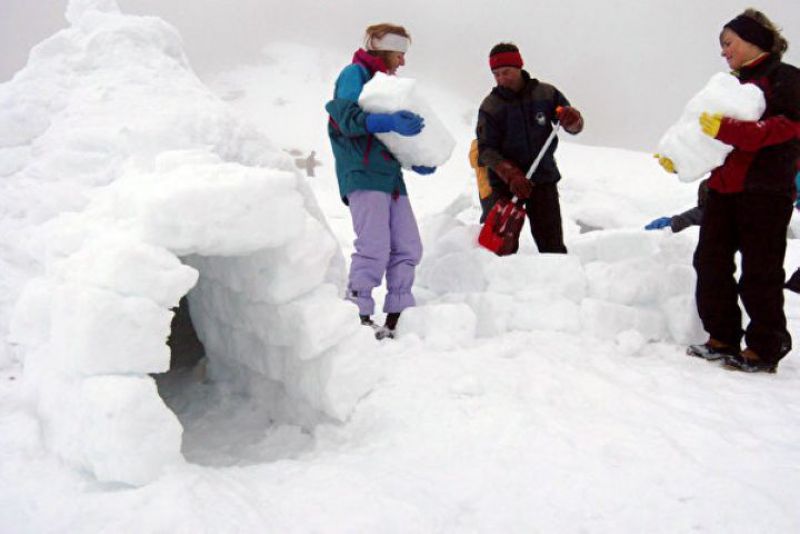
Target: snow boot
793, 283
712, 350
749, 362
387, 330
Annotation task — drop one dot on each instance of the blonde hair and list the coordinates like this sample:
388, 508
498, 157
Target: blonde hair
780, 44
377, 31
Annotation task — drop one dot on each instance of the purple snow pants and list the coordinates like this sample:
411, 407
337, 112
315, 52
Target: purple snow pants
387, 241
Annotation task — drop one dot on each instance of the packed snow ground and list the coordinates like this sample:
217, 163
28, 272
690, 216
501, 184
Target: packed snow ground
530, 393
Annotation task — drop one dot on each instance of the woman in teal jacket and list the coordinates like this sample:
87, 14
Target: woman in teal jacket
371, 181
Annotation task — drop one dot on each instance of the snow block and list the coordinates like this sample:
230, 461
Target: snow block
128, 433
129, 268
537, 275
693, 152
214, 207
607, 320
557, 314
99, 332
683, 322
433, 146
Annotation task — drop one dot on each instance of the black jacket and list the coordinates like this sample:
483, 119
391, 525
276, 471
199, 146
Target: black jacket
514, 126
766, 152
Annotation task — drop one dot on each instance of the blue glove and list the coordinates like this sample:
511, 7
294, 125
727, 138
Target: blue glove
422, 169
402, 122
661, 222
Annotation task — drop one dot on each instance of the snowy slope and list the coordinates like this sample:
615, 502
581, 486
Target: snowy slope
524, 394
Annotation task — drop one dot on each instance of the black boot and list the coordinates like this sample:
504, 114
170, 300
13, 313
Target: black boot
387, 330
712, 350
749, 362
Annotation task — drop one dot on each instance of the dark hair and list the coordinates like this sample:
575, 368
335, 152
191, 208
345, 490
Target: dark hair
503, 47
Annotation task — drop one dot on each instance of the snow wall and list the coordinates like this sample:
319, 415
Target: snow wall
126, 185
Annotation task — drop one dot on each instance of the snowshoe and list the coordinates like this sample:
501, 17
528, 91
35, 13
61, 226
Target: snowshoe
712, 350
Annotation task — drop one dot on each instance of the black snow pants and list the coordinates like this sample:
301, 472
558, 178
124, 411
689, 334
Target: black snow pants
754, 224
544, 214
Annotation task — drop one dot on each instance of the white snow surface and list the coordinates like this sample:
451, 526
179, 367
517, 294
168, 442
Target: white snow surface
533, 393
694, 153
431, 147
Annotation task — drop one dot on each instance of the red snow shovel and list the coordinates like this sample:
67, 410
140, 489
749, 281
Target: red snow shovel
500, 232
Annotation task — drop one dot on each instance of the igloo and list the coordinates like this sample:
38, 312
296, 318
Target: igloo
127, 186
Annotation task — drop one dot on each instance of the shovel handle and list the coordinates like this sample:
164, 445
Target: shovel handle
535, 164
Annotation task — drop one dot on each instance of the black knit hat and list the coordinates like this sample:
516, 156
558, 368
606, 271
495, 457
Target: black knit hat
752, 32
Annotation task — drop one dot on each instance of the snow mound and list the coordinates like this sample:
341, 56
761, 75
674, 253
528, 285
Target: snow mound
693, 152
127, 185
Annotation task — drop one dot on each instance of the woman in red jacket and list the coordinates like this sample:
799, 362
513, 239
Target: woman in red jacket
749, 205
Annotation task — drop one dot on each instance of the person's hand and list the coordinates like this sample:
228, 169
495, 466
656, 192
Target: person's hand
422, 169
517, 182
570, 118
666, 163
402, 122
710, 123
657, 224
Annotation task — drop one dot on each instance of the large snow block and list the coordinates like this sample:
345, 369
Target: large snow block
432, 146
129, 268
559, 314
683, 322
195, 203
308, 329
539, 275
607, 320
693, 152
99, 332
128, 433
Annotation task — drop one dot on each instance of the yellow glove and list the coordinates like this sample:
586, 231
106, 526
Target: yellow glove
711, 123
665, 162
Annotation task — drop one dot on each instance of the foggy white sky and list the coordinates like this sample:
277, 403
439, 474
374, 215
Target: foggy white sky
629, 65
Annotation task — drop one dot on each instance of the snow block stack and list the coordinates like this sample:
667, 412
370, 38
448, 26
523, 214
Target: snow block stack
693, 152
432, 146
611, 285
133, 185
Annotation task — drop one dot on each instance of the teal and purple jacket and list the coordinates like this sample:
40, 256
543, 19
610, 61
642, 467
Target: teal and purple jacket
362, 161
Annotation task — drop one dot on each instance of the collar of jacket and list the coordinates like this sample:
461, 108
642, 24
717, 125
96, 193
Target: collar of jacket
372, 63
507, 94
757, 68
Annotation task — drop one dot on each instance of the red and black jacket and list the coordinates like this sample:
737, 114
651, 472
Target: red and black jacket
766, 153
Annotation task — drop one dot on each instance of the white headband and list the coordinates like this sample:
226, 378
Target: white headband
391, 42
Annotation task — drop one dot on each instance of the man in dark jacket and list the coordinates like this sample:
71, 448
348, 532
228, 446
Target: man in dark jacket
514, 122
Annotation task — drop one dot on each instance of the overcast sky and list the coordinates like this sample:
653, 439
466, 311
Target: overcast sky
629, 65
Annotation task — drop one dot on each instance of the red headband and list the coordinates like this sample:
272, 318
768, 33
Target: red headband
505, 59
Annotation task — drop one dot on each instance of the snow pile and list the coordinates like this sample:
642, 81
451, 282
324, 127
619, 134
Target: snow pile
693, 152
432, 146
126, 185
627, 286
